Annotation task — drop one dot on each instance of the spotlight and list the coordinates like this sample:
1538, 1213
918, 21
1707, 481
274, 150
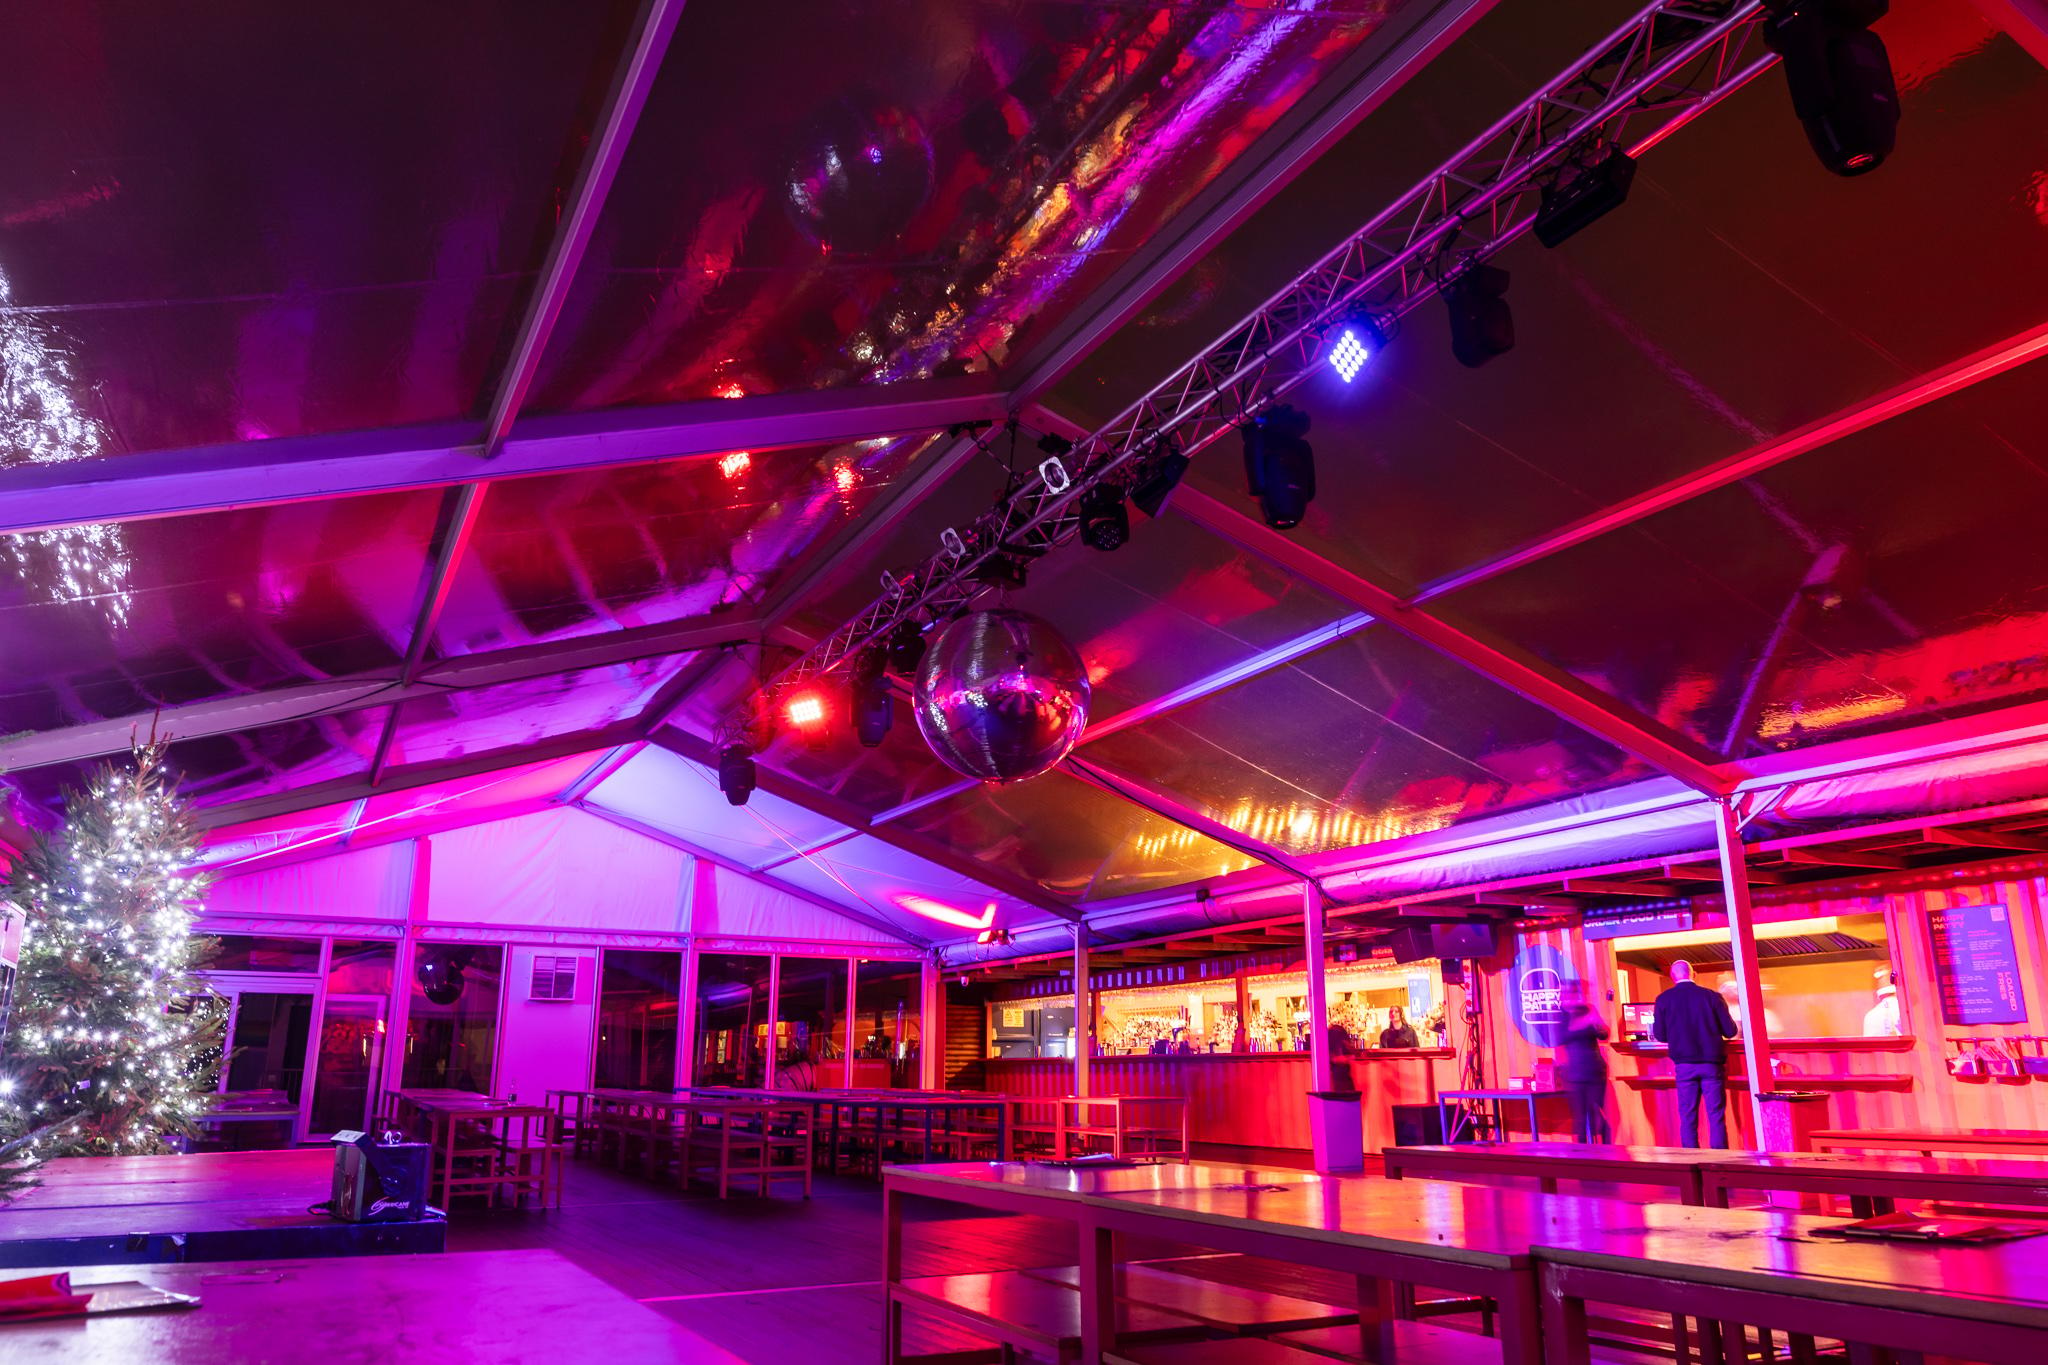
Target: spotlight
1840, 79
905, 648
735, 465
993, 936
1481, 325
1576, 201
1055, 446
1151, 493
1003, 569
1279, 465
1357, 340
736, 774
1105, 522
809, 713
873, 709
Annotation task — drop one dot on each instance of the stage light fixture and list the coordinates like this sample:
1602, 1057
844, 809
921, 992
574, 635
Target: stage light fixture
1840, 79
1151, 493
1105, 522
874, 711
1358, 340
1056, 446
1481, 325
807, 711
906, 648
736, 774
1578, 199
1003, 570
1280, 465
993, 937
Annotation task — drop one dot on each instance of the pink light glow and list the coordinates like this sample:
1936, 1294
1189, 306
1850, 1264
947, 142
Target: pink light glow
946, 914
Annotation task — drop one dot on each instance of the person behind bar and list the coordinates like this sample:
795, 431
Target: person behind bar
1397, 1033
1583, 1067
1695, 1023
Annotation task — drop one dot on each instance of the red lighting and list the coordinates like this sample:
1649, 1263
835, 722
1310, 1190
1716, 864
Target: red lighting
946, 914
736, 464
729, 389
805, 709
844, 477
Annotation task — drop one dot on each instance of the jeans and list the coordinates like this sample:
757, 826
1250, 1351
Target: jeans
1588, 1099
1697, 1081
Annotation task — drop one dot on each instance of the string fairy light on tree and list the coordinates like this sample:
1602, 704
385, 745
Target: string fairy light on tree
42, 422
112, 1036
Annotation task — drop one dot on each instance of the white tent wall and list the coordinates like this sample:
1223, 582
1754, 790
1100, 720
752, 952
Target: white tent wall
556, 869
371, 884
546, 1043
742, 908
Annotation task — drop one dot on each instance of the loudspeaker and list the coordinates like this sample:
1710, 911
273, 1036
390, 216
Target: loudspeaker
1461, 940
377, 1182
1418, 1125
1412, 943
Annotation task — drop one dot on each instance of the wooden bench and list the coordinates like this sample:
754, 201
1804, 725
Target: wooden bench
1928, 1141
1225, 1307
1415, 1343
1025, 1313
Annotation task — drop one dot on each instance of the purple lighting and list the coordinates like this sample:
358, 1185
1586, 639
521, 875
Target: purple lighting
1349, 355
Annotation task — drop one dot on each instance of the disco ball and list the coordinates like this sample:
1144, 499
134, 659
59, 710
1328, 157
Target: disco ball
861, 172
1001, 696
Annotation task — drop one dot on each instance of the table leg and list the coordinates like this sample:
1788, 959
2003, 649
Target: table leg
1098, 1292
1564, 1329
1379, 1308
926, 1155
1519, 1320
892, 1275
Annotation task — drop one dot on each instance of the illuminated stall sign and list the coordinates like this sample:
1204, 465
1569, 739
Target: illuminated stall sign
1536, 993
1977, 965
1626, 923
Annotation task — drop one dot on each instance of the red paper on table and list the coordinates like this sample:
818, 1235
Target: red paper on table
40, 1296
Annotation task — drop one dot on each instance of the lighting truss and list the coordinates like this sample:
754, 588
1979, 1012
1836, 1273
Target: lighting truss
1663, 68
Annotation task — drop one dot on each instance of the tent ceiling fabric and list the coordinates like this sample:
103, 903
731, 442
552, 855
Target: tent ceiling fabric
907, 195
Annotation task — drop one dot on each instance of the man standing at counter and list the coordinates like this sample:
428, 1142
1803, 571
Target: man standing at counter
1695, 1023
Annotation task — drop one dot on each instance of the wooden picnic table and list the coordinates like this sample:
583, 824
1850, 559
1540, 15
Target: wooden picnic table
1677, 1169
1770, 1271
1500, 1099
1929, 1141
1873, 1182
1467, 1239
482, 1306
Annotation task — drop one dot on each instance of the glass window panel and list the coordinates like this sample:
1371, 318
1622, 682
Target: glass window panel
256, 953
810, 1023
1032, 1028
1372, 738
483, 719
1858, 587
208, 606
1192, 1016
887, 1024
865, 235
732, 1019
637, 1019
1073, 839
451, 1029
361, 968
576, 554
256, 220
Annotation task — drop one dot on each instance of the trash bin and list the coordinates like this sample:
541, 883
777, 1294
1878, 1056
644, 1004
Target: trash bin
1337, 1129
1790, 1118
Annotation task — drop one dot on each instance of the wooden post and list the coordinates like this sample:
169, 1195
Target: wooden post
686, 1019
774, 1006
1244, 1011
849, 1035
1742, 939
1083, 1010
1318, 998
931, 1032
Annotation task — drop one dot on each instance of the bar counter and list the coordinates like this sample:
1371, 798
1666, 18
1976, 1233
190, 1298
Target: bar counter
1244, 1099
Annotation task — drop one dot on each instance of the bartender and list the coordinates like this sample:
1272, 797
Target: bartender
1398, 1032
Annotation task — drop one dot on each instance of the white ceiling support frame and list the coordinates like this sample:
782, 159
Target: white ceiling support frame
1665, 67
704, 754
228, 715
175, 483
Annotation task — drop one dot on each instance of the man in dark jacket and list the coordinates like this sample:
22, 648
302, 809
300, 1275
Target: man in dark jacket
1695, 1022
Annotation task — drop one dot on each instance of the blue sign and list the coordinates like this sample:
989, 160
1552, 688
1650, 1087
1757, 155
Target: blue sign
1977, 965
1536, 993
1631, 922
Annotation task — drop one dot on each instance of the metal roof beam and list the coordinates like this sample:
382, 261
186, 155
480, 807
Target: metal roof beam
1551, 688
293, 469
229, 715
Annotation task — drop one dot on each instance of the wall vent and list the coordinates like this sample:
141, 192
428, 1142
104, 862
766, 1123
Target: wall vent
554, 978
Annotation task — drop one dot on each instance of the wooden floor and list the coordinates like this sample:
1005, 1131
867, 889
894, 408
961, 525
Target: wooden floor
781, 1279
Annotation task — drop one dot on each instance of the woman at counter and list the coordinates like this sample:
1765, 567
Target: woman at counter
1398, 1032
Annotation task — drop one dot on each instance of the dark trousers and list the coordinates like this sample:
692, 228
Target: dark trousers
1588, 1099
1702, 1081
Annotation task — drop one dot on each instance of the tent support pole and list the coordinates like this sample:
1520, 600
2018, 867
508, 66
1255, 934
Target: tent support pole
1756, 1040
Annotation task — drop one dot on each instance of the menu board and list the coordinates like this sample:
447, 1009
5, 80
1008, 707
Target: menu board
1977, 965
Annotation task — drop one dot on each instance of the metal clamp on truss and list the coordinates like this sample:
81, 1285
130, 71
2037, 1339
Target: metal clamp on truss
1663, 68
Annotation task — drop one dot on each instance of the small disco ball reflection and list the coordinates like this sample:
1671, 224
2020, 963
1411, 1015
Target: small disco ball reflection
860, 173
1001, 696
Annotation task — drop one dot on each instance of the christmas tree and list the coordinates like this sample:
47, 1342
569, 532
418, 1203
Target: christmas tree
111, 1034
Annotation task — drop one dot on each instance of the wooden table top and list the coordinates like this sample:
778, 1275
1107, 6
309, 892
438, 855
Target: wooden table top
1568, 1153
1778, 1253
75, 1182
497, 1306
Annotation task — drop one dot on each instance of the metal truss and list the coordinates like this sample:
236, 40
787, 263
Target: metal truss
1670, 63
